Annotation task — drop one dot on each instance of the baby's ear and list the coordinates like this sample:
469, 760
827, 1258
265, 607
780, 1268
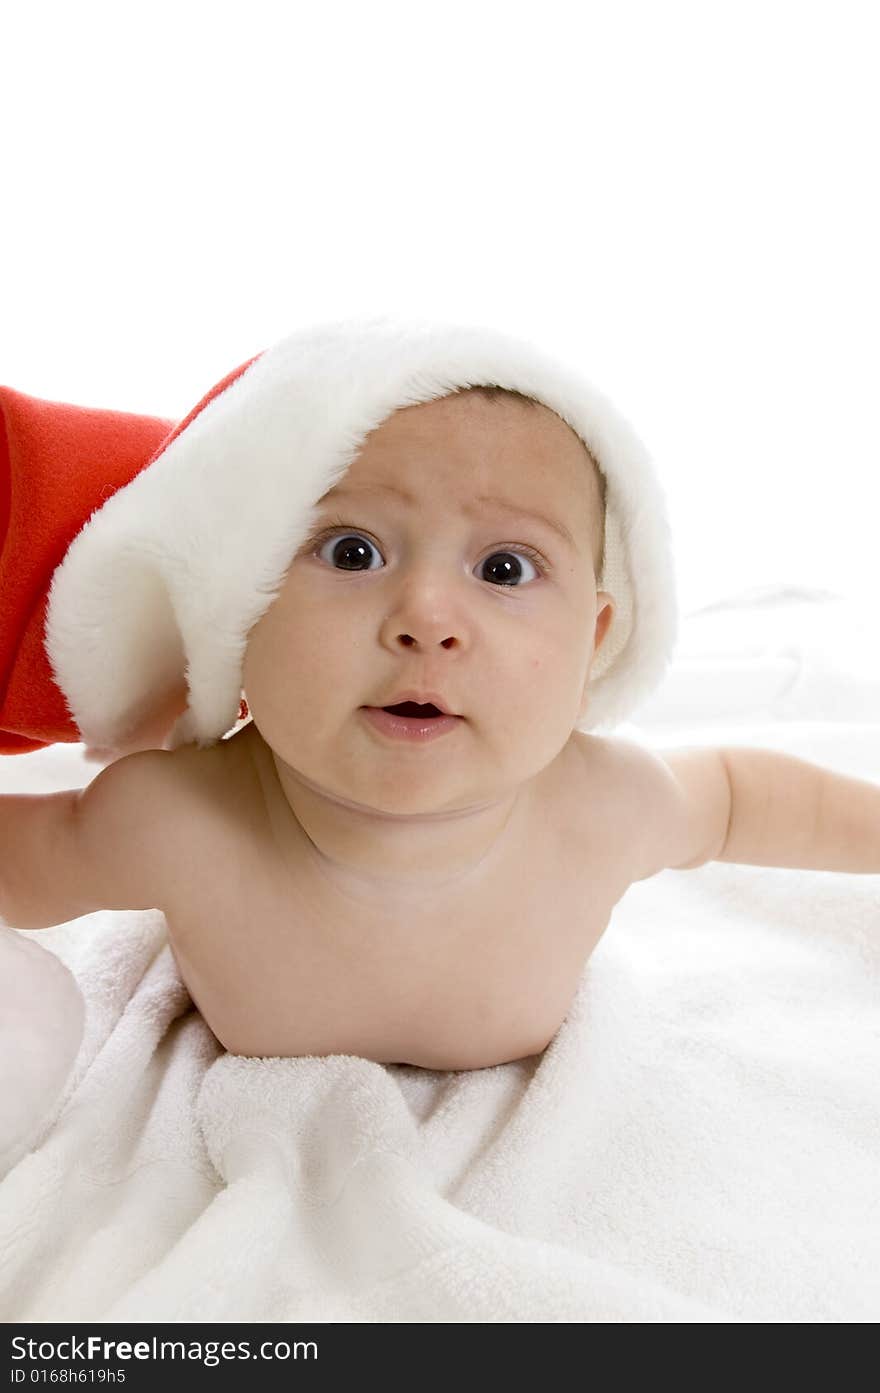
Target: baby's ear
605, 609
604, 614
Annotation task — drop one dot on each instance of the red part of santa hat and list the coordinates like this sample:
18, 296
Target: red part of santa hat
57, 464
179, 542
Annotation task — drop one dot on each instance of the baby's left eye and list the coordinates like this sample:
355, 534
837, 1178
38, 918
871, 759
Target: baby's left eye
506, 567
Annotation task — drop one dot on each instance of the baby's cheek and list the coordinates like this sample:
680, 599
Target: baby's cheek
277, 690
256, 657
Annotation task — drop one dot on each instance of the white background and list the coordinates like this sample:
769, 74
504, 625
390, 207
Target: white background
681, 197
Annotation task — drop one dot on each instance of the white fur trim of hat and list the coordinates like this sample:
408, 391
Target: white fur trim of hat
168, 577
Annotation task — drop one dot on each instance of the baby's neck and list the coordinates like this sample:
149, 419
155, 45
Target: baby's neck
360, 847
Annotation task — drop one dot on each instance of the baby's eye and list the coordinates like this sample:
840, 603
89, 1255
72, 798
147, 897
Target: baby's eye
351, 552
505, 567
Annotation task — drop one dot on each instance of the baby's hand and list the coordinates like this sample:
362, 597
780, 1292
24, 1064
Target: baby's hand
154, 731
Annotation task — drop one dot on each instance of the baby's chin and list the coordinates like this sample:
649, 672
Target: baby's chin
404, 801
409, 804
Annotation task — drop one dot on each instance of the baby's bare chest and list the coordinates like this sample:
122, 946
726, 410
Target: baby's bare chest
281, 960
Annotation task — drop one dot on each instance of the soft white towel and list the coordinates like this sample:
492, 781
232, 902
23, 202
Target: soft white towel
700, 1142
41, 1027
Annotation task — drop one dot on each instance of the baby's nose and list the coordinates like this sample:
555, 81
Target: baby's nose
430, 608
424, 626
407, 640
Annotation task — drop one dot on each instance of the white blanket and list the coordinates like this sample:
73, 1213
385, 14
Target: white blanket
700, 1142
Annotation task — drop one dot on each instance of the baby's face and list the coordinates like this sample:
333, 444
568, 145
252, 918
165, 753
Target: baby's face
452, 592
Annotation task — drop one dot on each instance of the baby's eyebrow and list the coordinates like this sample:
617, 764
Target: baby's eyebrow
482, 500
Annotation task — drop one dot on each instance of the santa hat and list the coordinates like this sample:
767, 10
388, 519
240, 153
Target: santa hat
136, 556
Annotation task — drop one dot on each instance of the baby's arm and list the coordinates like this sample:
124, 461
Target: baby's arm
751, 806
788, 812
66, 854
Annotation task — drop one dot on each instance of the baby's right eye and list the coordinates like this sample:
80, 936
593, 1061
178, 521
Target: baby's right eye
346, 552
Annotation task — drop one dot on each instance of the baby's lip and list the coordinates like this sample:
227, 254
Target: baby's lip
421, 699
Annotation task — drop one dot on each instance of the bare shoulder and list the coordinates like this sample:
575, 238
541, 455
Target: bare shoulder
669, 810
144, 820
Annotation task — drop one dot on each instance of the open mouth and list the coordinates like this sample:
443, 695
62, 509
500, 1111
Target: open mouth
412, 708
411, 721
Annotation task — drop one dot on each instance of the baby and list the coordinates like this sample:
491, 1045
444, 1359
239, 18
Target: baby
409, 852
